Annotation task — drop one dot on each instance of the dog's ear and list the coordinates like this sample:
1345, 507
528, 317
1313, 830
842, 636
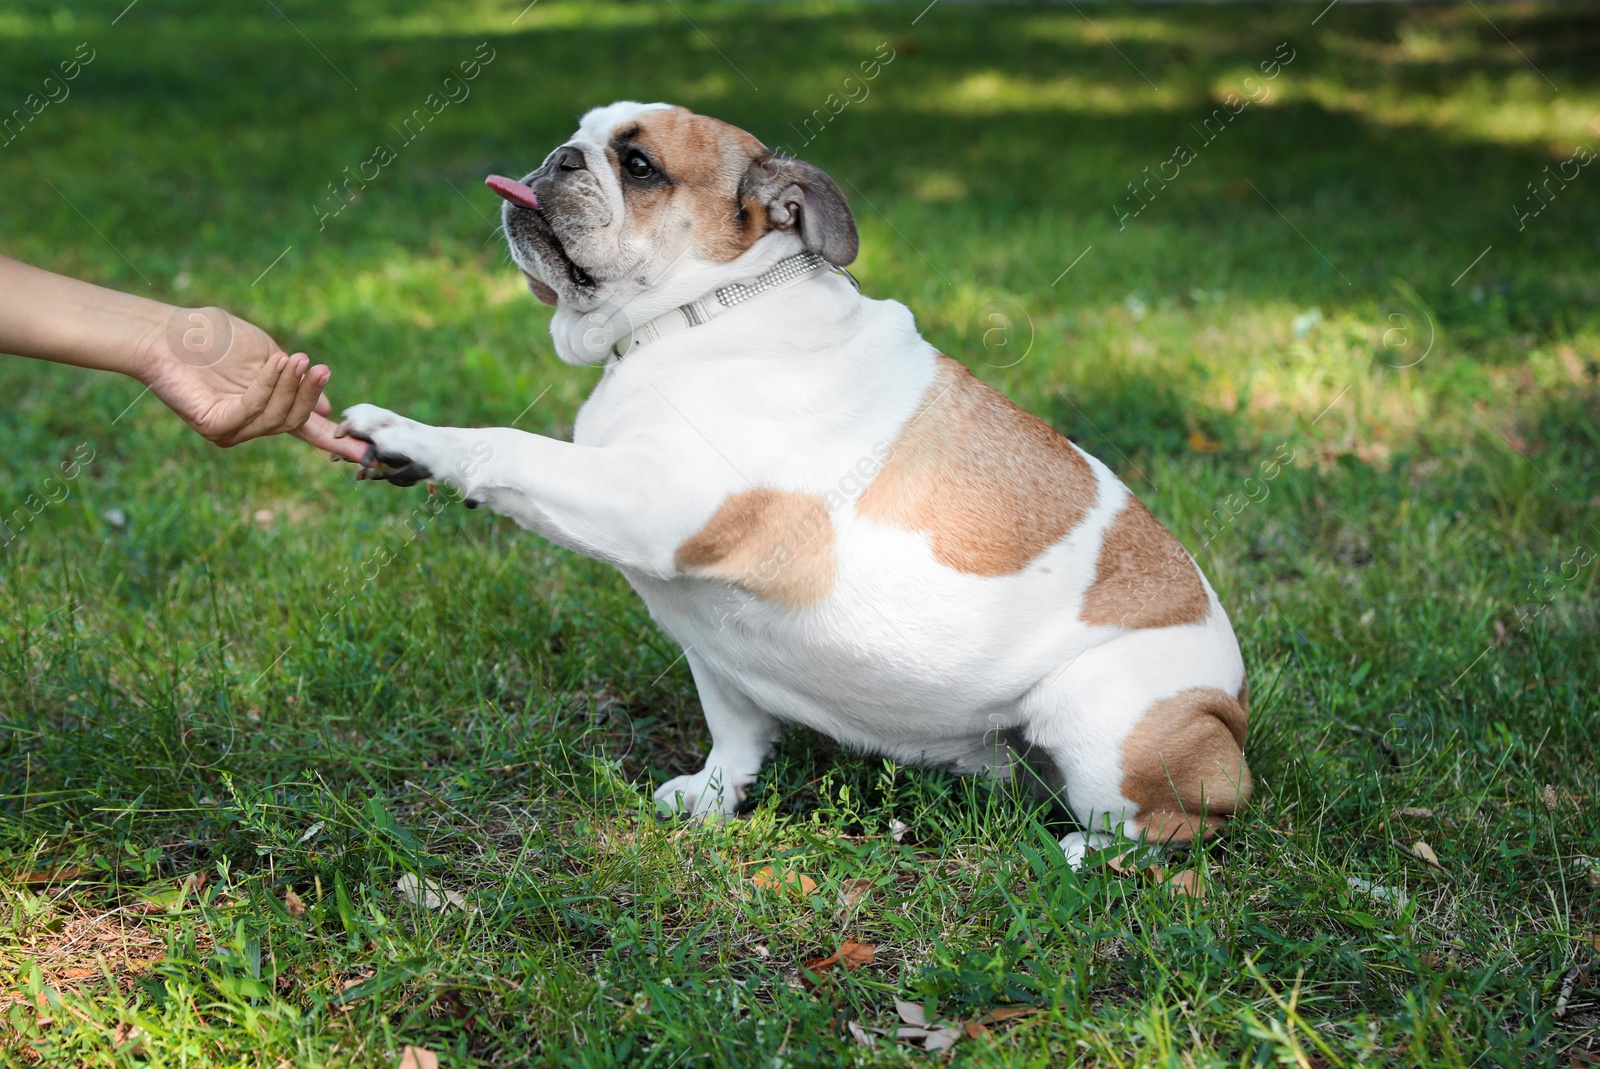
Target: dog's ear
800, 197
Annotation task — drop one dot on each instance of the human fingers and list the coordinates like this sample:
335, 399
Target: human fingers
307, 395
319, 430
235, 423
274, 419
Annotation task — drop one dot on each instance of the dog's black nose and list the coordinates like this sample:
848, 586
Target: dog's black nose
569, 159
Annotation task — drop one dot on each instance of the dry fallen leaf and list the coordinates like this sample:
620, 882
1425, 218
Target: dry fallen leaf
293, 903
860, 1034
853, 892
1423, 852
850, 955
1138, 864
1200, 443
65, 872
1381, 892
853, 955
974, 1030
932, 1038
128, 1033
1416, 811
911, 1013
417, 1058
768, 880
1552, 801
429, 894
1188, 882
1006, 1013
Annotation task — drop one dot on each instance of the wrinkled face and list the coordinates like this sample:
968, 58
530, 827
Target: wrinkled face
642, 191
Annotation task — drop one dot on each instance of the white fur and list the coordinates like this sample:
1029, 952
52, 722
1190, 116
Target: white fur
905, 657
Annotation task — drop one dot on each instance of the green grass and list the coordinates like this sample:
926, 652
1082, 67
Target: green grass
228, 684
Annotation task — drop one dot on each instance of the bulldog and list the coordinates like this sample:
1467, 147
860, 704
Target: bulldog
841, 526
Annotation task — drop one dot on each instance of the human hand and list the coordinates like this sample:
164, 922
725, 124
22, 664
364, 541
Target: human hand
229, 380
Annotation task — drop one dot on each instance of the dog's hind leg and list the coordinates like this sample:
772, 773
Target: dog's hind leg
741, 737
1143, 757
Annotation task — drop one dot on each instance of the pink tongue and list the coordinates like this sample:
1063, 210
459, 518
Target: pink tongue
512, 190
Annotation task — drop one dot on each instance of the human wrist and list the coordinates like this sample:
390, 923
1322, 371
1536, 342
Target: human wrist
181, 338
152, 357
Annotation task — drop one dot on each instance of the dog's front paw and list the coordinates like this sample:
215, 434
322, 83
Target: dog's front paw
698, 796
392, 444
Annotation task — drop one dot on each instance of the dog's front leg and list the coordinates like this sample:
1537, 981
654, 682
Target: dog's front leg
741, 737
614, 504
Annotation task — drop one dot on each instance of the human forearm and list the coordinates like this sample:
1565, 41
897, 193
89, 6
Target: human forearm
52, 317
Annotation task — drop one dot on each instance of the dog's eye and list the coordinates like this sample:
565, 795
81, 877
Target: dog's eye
637, 166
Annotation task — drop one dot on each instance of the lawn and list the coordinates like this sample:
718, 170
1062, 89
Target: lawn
1324, 290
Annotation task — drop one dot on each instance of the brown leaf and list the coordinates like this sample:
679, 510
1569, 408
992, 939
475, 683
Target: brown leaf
195, 881
128, 1033
65, 872
293, 903
850, 955
974, 1030
452, 1003
853, 955
417, 1058
1132, 864
853, 892
1001, 1014
1188, 882
1551, 800
1424, 853
1419, 812
766, 879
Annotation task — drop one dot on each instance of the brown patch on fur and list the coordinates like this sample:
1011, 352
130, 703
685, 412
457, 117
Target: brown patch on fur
991, 485
1183, 764
774, 543
705, 161
1143, 577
